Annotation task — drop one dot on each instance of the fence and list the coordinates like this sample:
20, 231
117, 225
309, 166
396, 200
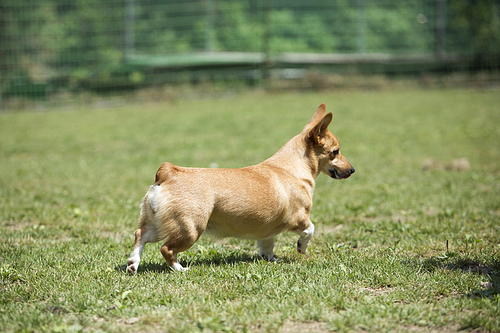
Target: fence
51, 47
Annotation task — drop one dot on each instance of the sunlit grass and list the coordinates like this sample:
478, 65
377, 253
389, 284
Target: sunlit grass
396, 248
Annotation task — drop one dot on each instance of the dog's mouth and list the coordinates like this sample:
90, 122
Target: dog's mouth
336, 175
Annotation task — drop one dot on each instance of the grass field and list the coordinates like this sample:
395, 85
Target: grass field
397, 248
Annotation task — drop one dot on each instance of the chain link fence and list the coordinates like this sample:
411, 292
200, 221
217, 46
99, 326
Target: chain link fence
51, 48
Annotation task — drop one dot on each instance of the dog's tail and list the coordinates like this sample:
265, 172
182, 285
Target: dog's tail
164, 172
149, 219
149, 206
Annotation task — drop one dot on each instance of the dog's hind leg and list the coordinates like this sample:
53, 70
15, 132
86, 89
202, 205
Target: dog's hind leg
147, 231
266, 248
170, 255
178, 242
305, 237
141, 238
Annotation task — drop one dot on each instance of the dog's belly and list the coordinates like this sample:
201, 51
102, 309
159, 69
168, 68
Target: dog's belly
251, 226
219, 231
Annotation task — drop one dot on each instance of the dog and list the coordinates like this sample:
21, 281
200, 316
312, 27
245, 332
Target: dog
256, 202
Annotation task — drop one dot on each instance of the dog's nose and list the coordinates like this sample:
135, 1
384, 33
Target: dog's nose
352, 170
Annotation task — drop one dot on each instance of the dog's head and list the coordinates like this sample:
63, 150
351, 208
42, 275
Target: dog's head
324, 147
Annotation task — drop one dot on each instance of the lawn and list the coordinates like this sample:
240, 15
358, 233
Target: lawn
411, 242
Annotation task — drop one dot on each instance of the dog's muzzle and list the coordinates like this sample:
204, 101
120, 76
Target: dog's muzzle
341, 175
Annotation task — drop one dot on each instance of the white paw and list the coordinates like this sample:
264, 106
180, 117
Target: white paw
301, 247
178, 267
268, 257
132, 266
134, 260
304, 239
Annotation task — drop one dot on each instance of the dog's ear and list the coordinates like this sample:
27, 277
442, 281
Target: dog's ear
318, 116
316, 129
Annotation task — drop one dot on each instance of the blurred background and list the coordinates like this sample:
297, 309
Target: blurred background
61, 50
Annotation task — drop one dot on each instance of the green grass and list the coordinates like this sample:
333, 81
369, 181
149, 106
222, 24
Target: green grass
396, 249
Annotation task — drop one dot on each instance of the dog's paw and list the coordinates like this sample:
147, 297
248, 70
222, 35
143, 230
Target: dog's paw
269, 258
301, 248
178, 267
131, 267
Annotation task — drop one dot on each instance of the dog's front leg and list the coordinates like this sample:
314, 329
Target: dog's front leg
266, 248
305, 237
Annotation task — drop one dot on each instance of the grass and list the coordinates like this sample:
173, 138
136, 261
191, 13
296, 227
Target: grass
396, 249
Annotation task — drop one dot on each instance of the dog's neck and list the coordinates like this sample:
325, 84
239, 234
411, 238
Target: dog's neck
296, 158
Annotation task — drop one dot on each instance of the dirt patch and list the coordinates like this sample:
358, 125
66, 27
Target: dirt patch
307, 327
459, 164
17, 226
426, 329
375, 292
327, 229
477, 268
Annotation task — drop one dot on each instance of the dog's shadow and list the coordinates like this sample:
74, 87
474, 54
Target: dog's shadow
229, 259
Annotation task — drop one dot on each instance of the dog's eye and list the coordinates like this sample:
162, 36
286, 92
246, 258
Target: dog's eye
334, 153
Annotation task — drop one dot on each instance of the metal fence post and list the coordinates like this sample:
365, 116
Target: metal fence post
129, 28
209, 32
266, 36
361, 27
440, 29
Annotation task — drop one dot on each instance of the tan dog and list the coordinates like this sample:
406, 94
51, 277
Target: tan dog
256, 202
